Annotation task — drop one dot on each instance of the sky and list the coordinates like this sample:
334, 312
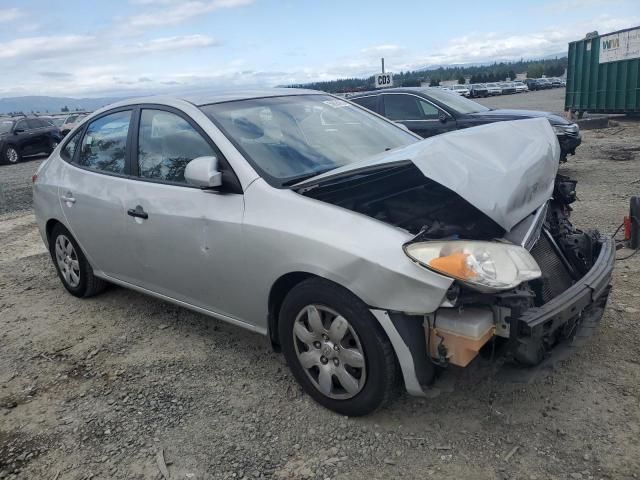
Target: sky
125, 47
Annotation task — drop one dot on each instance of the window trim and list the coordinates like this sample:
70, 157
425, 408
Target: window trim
83, 132
439, 108
133, 153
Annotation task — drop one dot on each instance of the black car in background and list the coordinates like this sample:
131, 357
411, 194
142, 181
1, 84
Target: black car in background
432, 111
24, 137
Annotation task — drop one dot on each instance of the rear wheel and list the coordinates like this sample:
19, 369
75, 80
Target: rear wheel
74, 270
335, 348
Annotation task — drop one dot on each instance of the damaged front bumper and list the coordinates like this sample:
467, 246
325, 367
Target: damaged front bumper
532, 331
561, 316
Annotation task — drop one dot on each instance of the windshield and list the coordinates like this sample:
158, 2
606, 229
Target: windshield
5, 126
288, 139
58, 121
456, 102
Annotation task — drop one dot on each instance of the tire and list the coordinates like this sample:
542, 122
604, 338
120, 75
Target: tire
11, 155
72, 266
369, 370
634, 214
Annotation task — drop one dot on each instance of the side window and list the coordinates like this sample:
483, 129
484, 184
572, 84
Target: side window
428, 110
70, 148
402, 107
22, 125
33, 123
103, 145
370, 103
166, 143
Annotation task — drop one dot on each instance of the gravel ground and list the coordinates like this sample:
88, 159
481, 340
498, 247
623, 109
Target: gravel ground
15, 185
548, 100
97, 388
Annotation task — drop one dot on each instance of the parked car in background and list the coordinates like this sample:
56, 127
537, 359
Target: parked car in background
428, 112
460, 90
69, 122
537, 84
345, 239
26, 136
555, 82
521, 87
507, 88
493, 88
478, 90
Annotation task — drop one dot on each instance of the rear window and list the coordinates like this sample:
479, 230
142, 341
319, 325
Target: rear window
69, 149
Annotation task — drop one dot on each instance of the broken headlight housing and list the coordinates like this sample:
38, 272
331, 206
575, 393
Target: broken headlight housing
488, 266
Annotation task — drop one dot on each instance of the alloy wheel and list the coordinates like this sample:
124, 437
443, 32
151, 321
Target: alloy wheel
67, 260
329, 351
12, 155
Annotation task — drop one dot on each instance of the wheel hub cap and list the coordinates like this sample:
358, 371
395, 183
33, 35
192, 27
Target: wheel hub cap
329, 351
67, 261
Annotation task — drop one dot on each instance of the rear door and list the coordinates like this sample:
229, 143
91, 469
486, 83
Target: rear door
93, 189
186, 242
419, 115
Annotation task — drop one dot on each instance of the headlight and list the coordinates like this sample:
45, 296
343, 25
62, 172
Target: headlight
565, 129
484, 265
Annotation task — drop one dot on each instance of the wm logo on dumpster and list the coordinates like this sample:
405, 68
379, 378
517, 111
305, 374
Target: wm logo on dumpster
609, 44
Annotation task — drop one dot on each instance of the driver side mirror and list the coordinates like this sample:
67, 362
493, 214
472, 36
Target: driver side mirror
442, 117
203, 172
18, 131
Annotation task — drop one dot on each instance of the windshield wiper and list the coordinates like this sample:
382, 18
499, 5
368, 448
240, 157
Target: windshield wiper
302, 178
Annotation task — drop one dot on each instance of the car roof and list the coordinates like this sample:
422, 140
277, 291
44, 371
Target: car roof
201, 98
396, 89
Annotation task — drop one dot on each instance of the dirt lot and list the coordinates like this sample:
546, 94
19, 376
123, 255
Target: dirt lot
549, 100
96, 388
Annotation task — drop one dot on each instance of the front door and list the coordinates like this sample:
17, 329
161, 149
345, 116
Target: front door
186, 242
417, 114
25, 138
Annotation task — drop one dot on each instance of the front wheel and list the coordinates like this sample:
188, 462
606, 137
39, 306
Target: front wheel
11, 155
336, 349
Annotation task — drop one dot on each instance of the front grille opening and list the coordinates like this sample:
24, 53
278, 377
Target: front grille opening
556, 278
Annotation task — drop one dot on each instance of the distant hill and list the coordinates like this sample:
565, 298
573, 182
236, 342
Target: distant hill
52, 104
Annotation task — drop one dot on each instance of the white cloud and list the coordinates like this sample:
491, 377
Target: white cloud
45, 46
172, 43
174, 12
9, 14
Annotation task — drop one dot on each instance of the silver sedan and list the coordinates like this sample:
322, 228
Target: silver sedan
367, 255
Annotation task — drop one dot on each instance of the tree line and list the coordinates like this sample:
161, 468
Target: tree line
496, 72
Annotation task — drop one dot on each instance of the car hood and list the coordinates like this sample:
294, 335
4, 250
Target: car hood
506, 170
509, 114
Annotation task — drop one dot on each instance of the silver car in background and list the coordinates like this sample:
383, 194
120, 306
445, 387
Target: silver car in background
367, 255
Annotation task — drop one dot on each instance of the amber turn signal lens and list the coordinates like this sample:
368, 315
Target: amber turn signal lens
454, 265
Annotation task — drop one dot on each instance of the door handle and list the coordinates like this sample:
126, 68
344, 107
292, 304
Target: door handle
138, 212
68, 197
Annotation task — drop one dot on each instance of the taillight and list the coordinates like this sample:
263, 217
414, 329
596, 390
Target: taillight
34, 177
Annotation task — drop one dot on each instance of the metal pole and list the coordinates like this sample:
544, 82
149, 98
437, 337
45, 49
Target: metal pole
382, 59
